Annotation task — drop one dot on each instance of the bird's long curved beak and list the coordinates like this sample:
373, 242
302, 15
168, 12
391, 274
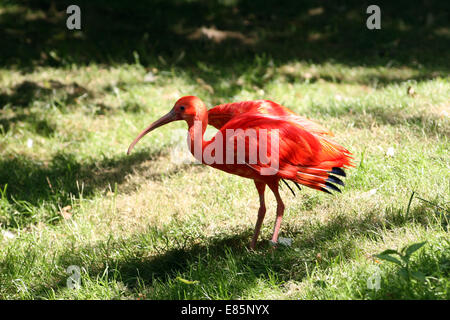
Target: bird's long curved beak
171, 116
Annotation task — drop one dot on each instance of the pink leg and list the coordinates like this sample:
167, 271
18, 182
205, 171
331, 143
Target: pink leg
261, 212
280, 211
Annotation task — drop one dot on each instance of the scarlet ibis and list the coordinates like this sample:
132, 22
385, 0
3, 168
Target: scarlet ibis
303, 153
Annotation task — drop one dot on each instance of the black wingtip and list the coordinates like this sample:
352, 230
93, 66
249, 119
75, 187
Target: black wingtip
297, 185
336, 180
288, 186
338, 171
332, 187
325, 190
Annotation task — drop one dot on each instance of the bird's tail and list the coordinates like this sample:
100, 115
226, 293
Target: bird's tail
327, 173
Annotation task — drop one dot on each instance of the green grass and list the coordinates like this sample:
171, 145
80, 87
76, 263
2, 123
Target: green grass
137, 224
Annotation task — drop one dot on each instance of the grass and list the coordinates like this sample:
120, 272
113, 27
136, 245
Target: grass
138, 226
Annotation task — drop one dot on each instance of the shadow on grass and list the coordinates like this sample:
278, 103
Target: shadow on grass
222, 264
26, 92
31, 184
40, 125
434, 265
226, 33
217, 42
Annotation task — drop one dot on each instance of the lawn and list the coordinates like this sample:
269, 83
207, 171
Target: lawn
155, 225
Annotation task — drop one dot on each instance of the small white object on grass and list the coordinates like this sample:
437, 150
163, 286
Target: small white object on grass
30, 143
150, 77
8, 234
369, 193
390, 152
284, 241
444, 114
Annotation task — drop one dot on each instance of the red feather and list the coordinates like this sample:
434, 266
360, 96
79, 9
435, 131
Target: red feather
219, 115
304, 157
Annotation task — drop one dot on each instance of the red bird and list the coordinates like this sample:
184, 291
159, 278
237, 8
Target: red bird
299, 152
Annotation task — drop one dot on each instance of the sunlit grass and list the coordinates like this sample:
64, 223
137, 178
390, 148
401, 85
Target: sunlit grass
137, 223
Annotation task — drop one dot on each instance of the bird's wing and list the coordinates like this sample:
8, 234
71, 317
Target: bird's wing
219, 115
309, 125
303, 157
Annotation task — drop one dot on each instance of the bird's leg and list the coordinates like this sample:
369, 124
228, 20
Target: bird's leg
280, 211
260, 186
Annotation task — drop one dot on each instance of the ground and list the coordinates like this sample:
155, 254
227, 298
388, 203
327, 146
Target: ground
150, 226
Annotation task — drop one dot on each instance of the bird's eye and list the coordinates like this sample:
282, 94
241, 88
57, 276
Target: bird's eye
182, 108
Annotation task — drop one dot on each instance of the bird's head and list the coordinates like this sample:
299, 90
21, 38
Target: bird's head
188, 108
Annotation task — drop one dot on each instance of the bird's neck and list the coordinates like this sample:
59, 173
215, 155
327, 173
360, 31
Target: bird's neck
196, 143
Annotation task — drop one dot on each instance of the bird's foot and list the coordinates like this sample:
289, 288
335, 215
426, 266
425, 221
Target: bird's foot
273, 244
